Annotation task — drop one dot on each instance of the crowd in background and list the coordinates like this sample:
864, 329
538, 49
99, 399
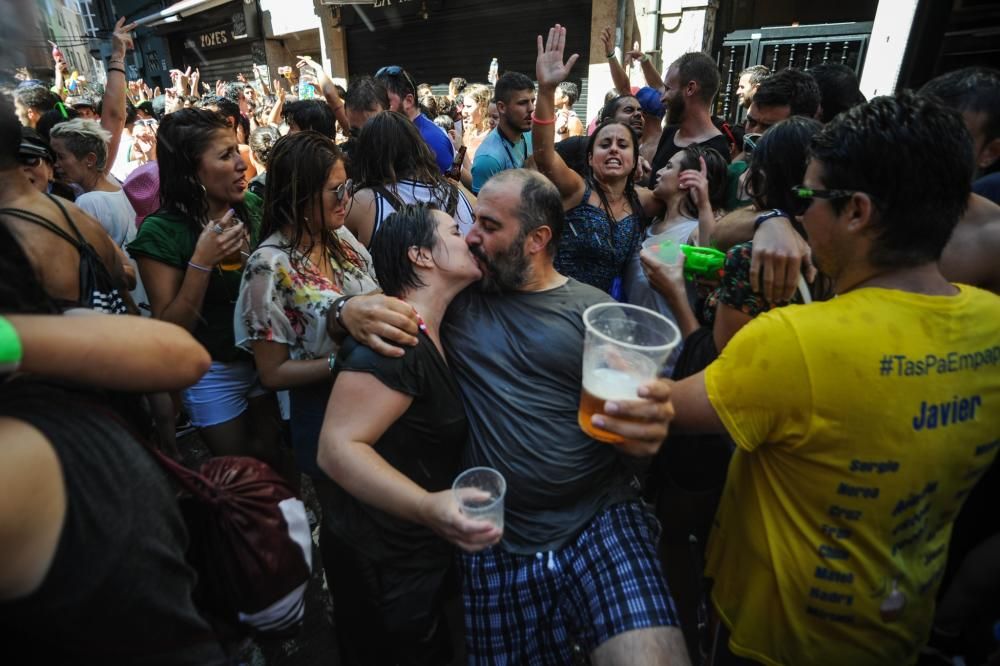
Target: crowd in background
373, 288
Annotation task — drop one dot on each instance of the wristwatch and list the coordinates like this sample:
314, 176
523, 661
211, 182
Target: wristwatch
764, 217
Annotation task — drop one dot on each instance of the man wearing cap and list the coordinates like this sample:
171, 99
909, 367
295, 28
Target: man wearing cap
403, 98
36, 160
86, 107
653, 111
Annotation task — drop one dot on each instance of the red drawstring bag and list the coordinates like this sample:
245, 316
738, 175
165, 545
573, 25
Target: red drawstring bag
250, 541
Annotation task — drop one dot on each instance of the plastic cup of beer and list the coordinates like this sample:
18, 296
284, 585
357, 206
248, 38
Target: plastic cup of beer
479, 492
624, 347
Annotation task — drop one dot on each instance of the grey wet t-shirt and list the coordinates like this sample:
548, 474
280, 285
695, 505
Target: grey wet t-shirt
517, 357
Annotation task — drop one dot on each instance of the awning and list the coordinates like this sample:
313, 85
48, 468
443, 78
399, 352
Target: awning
179, 10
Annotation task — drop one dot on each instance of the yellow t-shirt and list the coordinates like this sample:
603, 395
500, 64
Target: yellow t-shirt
862, 423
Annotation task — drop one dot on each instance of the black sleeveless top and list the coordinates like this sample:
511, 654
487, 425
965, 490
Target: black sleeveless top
118, 590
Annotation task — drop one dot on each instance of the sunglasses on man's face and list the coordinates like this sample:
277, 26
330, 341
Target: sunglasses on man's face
804, 197
146, 122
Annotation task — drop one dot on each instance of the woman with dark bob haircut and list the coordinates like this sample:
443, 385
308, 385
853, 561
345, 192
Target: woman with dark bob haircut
394, 166
395, 454
191, 254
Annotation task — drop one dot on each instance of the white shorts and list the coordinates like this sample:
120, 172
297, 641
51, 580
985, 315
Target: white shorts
223, 393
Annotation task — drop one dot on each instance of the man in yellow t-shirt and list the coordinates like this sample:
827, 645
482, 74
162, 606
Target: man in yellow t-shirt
862, 423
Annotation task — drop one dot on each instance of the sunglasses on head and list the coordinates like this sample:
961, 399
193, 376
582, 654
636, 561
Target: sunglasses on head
803, 197
146, 122
396, 70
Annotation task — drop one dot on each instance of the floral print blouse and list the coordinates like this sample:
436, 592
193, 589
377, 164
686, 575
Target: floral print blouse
287, 302
734, 289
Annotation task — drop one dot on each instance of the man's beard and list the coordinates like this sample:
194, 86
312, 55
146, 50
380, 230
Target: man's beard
507, 272
675, 110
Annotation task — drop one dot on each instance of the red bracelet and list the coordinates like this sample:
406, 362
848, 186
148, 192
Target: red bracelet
538, 121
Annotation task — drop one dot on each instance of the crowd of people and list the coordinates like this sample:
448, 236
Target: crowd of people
374, 288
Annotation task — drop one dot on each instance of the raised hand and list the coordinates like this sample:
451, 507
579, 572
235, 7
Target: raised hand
608, 38
550, 70
220, 88
635, 55
696, 182
195, 79
121, 38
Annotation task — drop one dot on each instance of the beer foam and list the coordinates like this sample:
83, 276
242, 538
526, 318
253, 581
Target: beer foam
608, 384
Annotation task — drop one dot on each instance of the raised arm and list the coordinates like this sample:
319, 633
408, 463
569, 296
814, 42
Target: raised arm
327, 86
618, 74
550, 70
113, 107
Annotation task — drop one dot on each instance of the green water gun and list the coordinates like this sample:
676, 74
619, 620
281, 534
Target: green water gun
699, 262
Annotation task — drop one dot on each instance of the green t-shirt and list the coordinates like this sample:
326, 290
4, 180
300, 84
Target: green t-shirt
171, 238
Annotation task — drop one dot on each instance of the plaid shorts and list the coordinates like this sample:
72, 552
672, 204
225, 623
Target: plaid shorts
551, 607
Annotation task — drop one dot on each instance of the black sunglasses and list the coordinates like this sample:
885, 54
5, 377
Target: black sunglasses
804, 197
396, 70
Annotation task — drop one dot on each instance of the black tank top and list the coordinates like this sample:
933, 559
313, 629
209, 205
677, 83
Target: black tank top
118, 590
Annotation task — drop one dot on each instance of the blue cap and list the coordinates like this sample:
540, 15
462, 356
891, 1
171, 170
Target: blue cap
649, 100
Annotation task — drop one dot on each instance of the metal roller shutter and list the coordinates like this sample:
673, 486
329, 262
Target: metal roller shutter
461, 37
221, 64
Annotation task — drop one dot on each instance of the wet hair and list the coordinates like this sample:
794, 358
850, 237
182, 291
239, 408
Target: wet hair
53, 117
974, 89
36, 97
311, 114
540, 204
778, 163
610, 108
181, 141
390, 149
757, 73
10, 133
839, 88
588, 175
297, 172
790, 87
716, 171
412, 225
918, 200
365, 94
571, 90
510, 83
698, 67
83, 137
262, 140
